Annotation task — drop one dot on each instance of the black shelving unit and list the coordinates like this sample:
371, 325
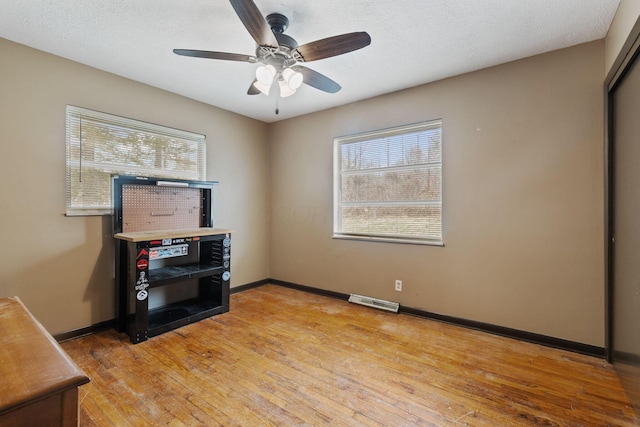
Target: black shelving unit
165, 241
137, 278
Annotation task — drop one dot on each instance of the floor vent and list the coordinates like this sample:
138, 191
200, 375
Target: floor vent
374, 302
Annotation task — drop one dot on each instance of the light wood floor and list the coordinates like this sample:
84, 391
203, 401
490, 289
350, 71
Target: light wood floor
284, 357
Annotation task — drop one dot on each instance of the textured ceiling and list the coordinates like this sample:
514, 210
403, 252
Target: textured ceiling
413, 41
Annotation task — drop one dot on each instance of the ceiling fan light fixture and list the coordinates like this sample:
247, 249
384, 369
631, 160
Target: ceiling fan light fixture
285, 89
293, 78
265, 74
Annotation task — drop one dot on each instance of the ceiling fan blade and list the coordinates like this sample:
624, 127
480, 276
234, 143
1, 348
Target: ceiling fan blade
317, 80
215, 55
332, 46
254, 22
252, 89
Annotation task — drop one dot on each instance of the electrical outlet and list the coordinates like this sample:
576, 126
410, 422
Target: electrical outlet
399, 285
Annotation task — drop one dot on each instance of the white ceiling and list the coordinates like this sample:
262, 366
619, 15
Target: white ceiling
413, 41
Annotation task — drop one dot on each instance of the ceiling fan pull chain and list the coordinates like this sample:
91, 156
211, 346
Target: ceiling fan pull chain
277, 109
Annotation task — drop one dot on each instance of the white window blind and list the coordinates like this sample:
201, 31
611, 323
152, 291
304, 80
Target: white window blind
388, 184
99, 145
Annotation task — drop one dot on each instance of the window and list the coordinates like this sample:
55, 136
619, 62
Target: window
388, 184
100, 144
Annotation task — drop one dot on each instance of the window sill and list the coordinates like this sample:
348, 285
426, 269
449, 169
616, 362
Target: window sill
88, 212
388, 239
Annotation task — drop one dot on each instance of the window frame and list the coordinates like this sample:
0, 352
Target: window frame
74, 155
338, 233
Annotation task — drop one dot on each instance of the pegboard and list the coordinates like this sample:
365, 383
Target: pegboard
155, 208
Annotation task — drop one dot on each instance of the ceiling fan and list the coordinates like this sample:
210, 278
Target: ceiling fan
280, 55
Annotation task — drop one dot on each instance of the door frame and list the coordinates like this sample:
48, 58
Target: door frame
628, 54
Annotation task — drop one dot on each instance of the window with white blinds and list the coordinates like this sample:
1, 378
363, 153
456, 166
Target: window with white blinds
388, 184
99, 145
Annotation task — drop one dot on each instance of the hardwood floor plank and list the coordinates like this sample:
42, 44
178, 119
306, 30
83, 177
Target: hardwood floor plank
286, 357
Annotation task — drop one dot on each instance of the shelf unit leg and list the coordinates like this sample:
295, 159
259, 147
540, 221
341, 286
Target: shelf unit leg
139, 287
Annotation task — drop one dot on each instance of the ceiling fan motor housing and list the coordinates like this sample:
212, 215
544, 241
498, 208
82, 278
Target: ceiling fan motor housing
282, 56
278, 22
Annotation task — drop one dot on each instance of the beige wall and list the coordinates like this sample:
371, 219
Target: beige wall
623, 21
62, 267
523, 198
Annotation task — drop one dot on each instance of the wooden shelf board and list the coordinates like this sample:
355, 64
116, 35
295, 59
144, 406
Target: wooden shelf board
143, 236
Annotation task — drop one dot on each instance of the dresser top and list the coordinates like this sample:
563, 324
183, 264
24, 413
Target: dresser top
32, 364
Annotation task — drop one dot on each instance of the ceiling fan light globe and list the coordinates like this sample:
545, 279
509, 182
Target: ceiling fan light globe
293, 78
265, 74
285, 90
262, 88
295, 81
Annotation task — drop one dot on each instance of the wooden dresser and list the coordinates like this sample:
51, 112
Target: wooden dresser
38, 381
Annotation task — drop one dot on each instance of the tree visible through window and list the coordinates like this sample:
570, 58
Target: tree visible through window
99, 145
388, 184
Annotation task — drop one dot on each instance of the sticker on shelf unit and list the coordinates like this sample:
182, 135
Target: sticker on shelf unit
169, 251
